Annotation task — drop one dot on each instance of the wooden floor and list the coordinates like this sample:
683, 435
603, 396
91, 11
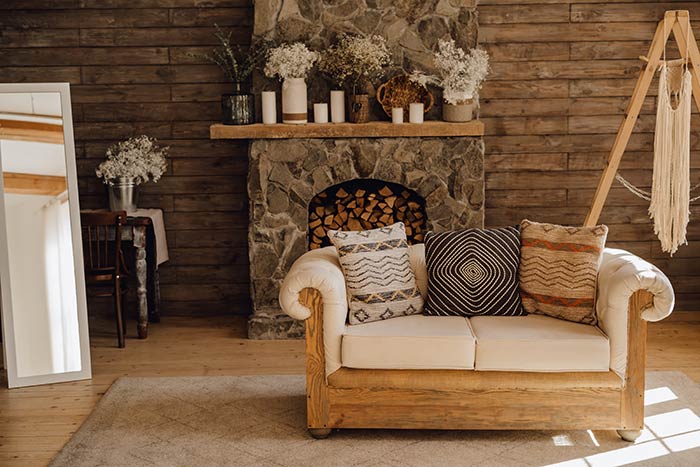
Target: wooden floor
36, 422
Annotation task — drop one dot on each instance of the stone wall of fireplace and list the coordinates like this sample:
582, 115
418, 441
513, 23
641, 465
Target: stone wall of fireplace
284, 176
412, 29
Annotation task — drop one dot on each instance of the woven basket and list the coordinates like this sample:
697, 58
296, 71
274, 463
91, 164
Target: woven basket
400, 91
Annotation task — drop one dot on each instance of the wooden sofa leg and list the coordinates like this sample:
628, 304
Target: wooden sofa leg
316, 385
320, 433
629, 435
632, 408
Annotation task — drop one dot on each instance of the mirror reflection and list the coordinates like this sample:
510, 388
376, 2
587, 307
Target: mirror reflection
40, 249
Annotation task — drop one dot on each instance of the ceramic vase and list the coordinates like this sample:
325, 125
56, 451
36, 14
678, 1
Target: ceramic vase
294, 107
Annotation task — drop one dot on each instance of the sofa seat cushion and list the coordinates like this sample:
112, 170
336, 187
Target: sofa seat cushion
538, 343
410, 343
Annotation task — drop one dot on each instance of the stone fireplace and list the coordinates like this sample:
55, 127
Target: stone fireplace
285, 175
444, 175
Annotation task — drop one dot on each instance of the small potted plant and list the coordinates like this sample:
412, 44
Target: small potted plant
237, 64
352, 63
460, 75
129, 164
291, 63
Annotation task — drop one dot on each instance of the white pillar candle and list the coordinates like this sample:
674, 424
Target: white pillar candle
338, 106
321, 113
269, 107
415, 112
397, 115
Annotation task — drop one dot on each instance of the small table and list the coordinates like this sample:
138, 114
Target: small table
150, 250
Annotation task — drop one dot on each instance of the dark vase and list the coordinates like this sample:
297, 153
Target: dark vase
238, 108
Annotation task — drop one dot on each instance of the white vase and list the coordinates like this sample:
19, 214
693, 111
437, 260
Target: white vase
294, 108
338, 106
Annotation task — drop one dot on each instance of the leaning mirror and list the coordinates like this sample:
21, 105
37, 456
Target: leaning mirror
44, 316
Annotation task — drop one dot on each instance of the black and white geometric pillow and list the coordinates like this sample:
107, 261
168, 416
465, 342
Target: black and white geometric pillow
473, 272
378, 273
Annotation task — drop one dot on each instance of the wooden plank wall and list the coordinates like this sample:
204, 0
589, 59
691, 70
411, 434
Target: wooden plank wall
131, 73
563, 72
562, 75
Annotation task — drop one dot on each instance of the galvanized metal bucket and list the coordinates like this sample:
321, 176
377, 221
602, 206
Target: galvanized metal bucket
123, 194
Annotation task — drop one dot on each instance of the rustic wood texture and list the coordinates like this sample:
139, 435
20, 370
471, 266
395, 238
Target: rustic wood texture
561, 81
32, 184
317, 405
364, 205
131, 72
347, 130
450, 400
35, 422
18, 130
632, 407
443, 399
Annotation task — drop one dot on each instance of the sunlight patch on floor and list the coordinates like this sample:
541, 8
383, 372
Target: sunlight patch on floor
663, 434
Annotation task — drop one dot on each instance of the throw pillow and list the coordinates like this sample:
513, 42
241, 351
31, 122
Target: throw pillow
473, 272
378, 273
559, 268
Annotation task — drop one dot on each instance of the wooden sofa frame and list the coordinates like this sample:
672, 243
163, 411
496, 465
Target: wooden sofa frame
474, 400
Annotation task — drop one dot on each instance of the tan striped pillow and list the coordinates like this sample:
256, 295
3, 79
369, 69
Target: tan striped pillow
559, 268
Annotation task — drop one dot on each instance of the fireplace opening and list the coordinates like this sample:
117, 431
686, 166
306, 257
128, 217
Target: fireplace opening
363, 204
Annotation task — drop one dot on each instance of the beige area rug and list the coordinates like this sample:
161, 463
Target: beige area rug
260, 420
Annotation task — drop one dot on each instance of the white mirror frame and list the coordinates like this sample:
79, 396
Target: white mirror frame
8, 338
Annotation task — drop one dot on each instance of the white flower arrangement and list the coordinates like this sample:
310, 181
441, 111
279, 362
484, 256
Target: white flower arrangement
139, 158
459, 73
355, 60
290, 61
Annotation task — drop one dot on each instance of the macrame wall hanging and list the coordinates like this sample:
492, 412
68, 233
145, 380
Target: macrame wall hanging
670, 194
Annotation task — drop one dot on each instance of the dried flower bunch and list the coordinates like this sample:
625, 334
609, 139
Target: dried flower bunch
354, 61
139, 158
290, 61
236, 63
459, 73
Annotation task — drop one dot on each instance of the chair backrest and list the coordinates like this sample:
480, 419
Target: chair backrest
102, 239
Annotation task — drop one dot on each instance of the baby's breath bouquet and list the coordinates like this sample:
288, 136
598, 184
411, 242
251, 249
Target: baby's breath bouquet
459, 73
354, 61
139, 158
290, 61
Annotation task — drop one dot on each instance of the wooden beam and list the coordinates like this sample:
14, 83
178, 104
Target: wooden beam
32, 184
663, 31
20, 130
346, 130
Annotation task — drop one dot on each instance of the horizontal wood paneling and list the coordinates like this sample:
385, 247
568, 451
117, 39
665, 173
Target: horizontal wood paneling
563, 72
562, 75
130, 74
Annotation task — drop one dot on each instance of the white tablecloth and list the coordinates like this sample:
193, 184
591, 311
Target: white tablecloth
156, 216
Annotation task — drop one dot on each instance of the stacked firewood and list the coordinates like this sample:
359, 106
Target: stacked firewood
361, 208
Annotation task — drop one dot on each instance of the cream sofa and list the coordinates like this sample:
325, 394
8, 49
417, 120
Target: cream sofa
486, 372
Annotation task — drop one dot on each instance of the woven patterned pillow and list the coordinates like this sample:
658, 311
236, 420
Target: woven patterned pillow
559, 268
378, 273
473, 272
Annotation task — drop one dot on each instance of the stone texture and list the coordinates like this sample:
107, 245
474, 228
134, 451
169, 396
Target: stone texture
285, 174
412, 29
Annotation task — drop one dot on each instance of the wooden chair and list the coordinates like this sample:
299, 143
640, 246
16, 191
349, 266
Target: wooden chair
104, 259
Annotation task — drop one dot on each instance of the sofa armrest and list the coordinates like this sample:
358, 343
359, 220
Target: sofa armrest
620, 276
319, 269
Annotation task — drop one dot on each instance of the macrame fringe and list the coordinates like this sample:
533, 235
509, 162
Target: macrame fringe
670, 188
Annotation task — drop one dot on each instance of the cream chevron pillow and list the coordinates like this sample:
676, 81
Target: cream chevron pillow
378, 273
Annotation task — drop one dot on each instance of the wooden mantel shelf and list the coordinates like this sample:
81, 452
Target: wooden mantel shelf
346, 130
